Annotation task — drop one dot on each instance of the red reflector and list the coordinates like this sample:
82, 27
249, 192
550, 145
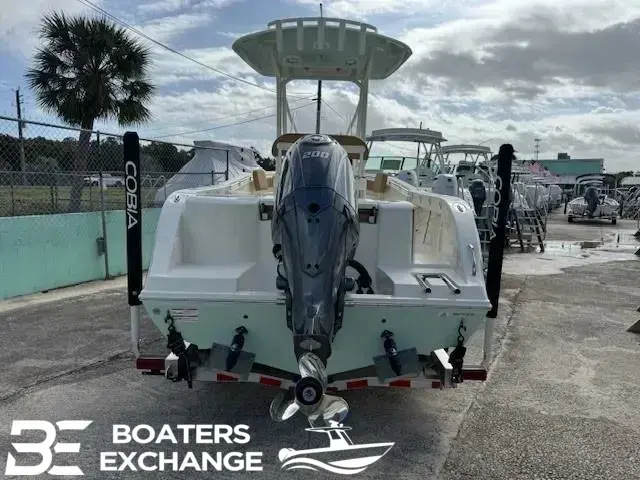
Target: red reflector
150, 363
332, 389
221, 377
479, 374
435, 384
272, 382
400, 383
357, 384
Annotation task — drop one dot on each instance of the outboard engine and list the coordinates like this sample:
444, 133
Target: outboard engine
315, 231
315, 222
424, 174
409, 176
592, 198
445, 184
478, 192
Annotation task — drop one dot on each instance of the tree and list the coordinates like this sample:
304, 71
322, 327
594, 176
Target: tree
89, 69
267, 163
166, 155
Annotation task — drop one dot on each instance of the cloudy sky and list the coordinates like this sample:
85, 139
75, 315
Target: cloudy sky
485, 72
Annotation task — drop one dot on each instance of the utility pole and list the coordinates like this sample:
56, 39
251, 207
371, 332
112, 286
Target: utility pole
21, 137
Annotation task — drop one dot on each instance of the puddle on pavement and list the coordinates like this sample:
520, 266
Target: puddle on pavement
559, 255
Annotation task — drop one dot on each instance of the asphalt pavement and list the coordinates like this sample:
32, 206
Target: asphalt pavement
561, 401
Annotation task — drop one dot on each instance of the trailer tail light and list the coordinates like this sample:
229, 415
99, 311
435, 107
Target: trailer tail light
270, 381
357, 384
223, 377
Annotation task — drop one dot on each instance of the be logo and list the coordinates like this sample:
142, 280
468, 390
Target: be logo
44, 448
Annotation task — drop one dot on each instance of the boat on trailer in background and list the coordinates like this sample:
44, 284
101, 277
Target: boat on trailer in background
427, 169
313, 278
591, 201
477, 180
420, 170
475, 166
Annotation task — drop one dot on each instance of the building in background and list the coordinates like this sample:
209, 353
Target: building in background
567, 168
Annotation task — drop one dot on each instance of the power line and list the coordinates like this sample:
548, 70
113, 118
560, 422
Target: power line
328, 105
229, 124
221, 117
94, 7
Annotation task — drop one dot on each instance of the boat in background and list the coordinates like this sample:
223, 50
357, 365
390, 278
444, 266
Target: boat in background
213, 162
427, 169
591, 201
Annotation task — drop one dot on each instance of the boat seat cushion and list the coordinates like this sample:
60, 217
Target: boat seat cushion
379, 184
260, 181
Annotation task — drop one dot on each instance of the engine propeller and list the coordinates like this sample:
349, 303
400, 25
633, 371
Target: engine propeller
308, 396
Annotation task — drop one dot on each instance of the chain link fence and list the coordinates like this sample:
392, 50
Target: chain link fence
50, 169
63, 199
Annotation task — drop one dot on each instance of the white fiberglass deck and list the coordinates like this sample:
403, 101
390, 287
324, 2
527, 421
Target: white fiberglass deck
211, 241
213, 256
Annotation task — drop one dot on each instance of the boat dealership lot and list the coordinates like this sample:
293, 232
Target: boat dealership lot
561, 400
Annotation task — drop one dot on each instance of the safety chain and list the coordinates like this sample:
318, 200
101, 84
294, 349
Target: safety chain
176, 344
456, 359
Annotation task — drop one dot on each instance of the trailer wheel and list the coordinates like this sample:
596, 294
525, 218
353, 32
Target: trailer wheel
570, 219
614, 221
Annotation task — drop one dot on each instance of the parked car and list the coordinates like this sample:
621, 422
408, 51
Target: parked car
108, 180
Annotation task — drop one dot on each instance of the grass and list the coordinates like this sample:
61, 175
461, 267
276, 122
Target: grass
42, 200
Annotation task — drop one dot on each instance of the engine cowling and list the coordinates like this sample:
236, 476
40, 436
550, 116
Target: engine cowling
316, 230
478, 192
592, 198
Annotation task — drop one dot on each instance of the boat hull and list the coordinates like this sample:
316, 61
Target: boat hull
607, 209
425, 328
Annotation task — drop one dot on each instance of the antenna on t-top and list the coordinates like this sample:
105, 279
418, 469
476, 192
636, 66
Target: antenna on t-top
319, 96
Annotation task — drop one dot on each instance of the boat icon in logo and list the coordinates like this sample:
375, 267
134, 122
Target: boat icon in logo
342, 456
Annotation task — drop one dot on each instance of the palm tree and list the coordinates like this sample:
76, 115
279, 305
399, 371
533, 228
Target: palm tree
89, 69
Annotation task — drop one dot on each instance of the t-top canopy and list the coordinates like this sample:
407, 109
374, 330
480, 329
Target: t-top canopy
419, 135
467, 149
323, 49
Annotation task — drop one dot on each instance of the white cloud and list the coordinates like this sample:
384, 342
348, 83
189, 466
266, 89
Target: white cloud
168, 28
358, 9
169, 68
19, 23
171, 6
580, 112
482, 18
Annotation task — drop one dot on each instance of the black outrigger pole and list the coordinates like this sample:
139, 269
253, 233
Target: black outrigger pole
133, 222
319, 97
497, 232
